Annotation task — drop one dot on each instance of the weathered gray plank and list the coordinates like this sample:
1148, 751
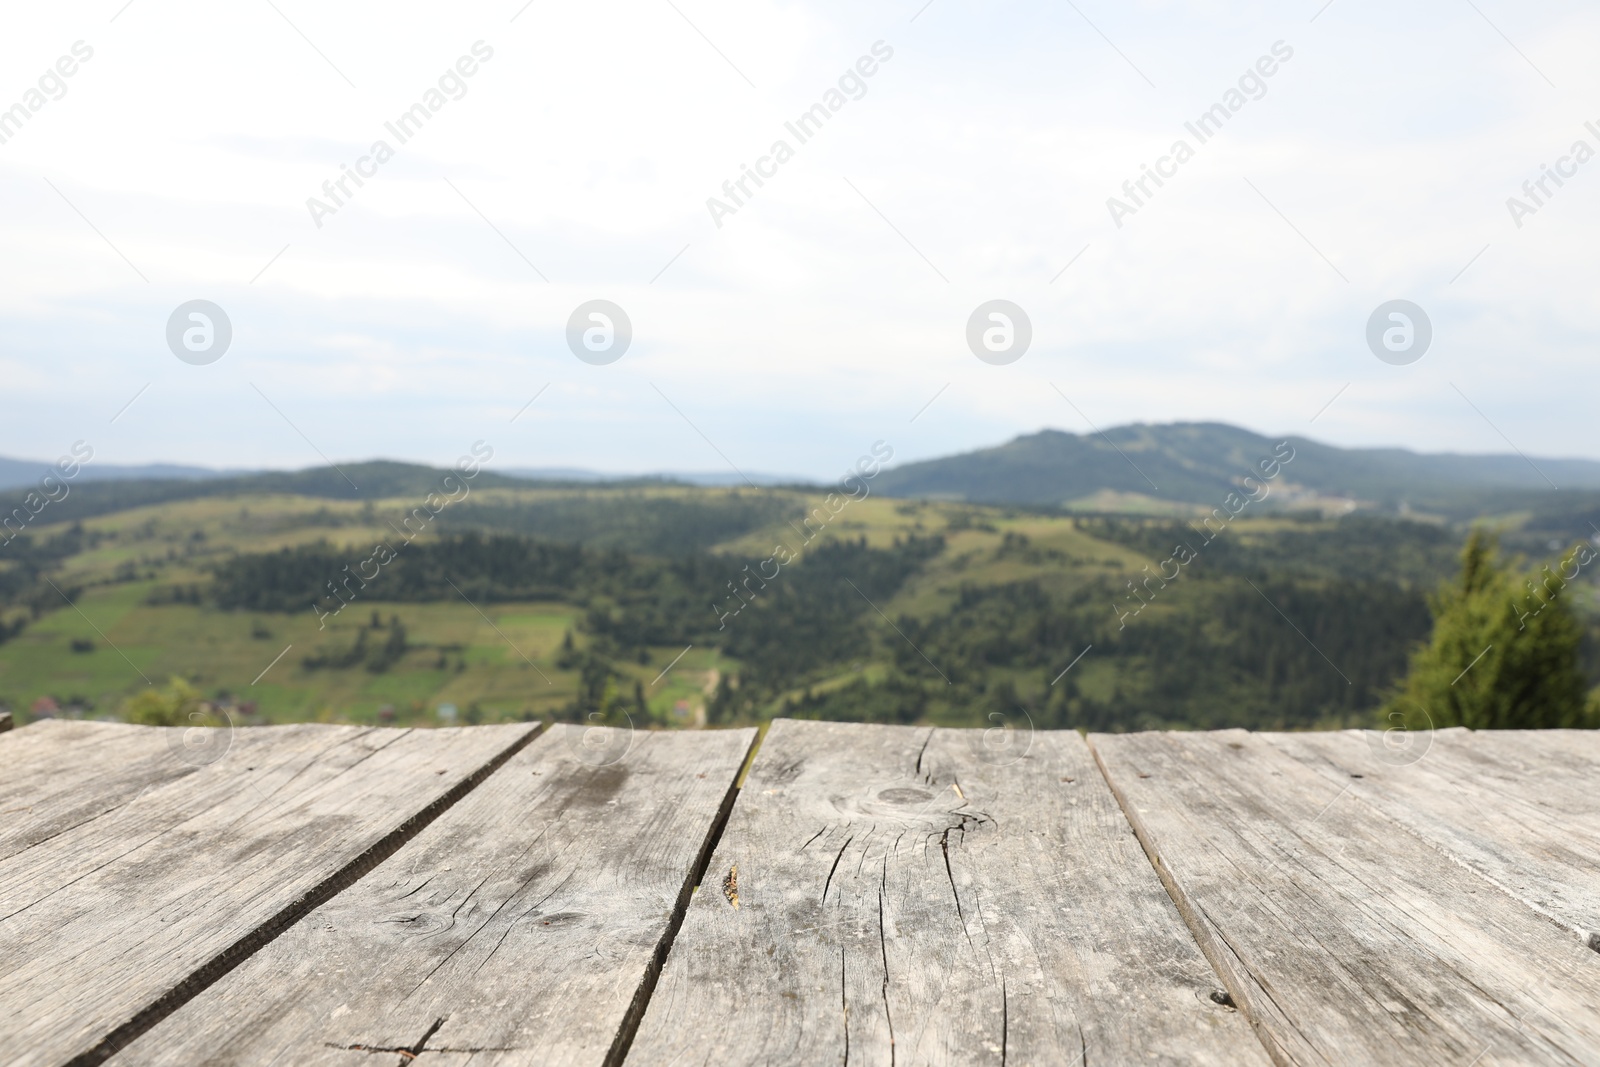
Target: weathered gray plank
1346, 938
517, 929
54, 750
907, 895
1518, 807
107, 926
61, 773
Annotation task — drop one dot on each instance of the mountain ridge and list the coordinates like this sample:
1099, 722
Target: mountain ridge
1197, 463
1181, 464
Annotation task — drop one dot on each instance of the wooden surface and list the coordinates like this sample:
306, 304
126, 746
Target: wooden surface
102, 924
518, 929
1520, 808
1344, 936
908, 895
60, 774
339, 895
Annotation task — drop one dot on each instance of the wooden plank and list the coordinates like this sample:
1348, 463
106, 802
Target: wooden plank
1518, 807
1345, 938
522, 927
61, 773
888, 894
107, 927
52, 749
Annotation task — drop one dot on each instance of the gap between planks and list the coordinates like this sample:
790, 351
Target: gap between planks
647, 987
574, 1003
263, 935
1502, 924
838, 773
1237, 996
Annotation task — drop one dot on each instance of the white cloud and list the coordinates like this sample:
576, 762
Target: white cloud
805, 326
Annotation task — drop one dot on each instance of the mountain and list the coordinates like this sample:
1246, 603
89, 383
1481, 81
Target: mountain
1171, 467
371, 480
603, 517
1200, 463
16, 473
21, 473
710, 479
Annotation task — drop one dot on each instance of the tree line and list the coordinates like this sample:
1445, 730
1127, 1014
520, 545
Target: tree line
1320, 626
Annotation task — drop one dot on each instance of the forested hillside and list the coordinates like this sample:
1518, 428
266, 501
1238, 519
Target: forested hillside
672, 605
1197, 463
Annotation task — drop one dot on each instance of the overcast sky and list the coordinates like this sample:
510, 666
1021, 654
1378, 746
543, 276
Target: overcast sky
1375, 163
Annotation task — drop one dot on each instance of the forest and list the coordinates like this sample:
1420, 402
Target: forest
1219, 647
661, 605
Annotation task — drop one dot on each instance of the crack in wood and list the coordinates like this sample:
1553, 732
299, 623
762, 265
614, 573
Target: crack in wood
844, 1006
1005, 1021
944, 847
921, 751
532, 909
883, 946
835, 867
1062, 877
208, 974
409, 1053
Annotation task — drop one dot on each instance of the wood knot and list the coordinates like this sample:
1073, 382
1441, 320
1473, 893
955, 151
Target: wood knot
1223, 997
904, 796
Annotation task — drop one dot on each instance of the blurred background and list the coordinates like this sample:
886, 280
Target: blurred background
230, 525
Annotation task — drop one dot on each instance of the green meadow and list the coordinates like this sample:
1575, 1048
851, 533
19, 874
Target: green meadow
885, 610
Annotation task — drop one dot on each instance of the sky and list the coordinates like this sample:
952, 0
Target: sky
827, 309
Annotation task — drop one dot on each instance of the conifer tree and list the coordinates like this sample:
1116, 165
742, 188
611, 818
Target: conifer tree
1504, 651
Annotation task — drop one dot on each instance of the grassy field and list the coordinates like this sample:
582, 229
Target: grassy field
112, 640
497, 664
140, 613
493, 663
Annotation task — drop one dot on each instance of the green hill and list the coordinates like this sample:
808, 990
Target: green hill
341, 595
1199, 463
